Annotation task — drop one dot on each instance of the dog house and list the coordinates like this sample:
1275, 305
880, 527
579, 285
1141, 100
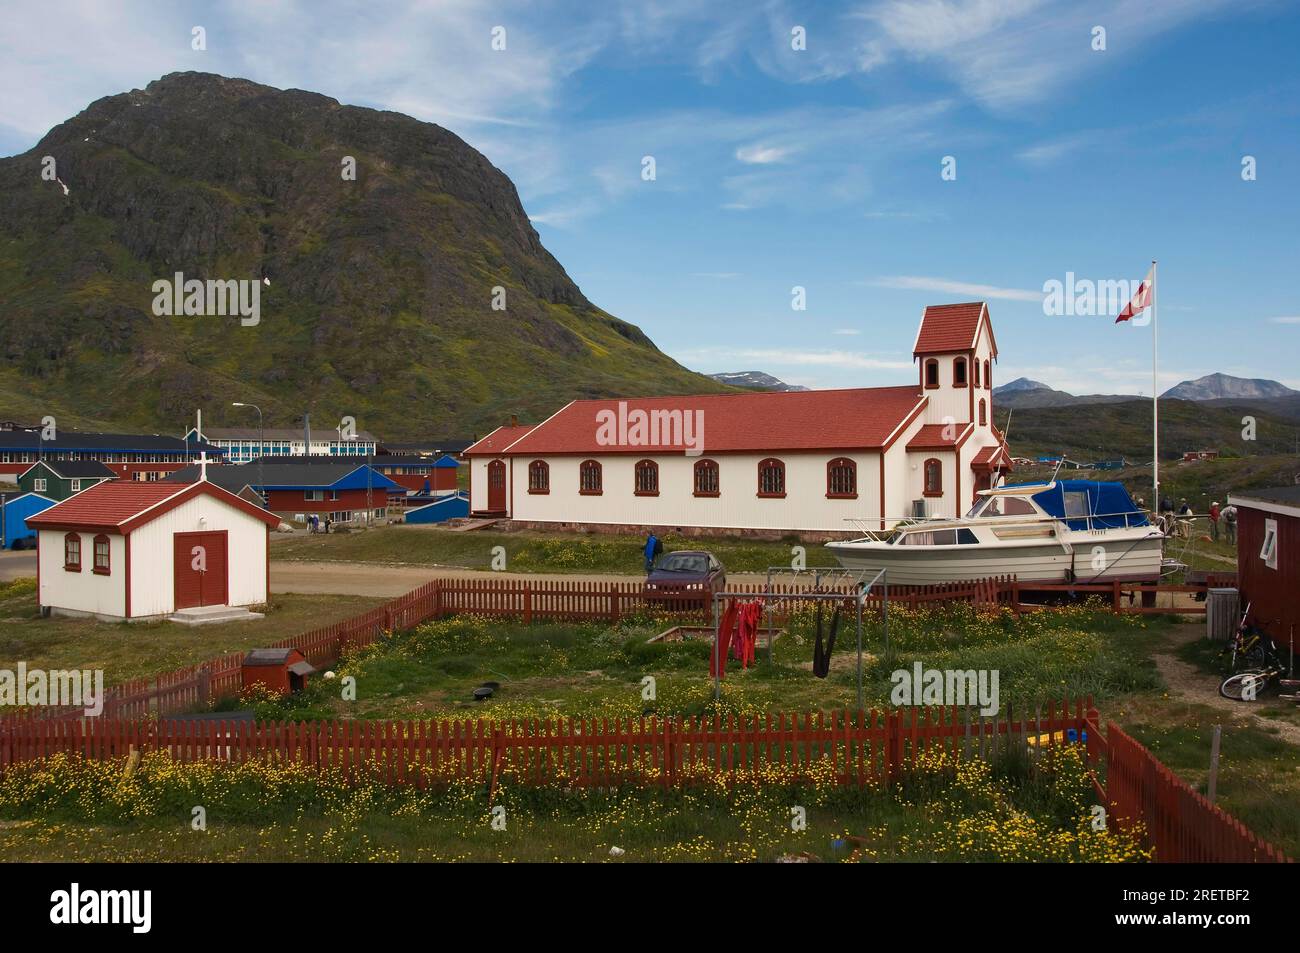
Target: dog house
281, 670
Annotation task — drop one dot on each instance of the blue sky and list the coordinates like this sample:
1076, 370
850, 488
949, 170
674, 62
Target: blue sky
817, 168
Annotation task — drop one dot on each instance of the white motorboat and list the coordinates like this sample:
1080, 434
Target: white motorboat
1063, 531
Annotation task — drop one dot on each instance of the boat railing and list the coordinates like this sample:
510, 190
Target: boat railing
870, 528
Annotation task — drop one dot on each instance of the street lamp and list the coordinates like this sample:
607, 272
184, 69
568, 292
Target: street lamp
261, 448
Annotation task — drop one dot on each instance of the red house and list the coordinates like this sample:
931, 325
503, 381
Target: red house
1268, 559
344, 492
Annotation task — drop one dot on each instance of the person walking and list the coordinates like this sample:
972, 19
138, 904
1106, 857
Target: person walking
1214, 521
652, 549
1230, 523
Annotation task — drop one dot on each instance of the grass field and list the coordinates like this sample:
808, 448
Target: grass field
530, 551
125, 650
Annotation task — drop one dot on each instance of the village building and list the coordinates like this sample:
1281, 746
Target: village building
14, 510
60, 479
1268, 559
801, 461
145, 550
342, 491
142, 457
244, 444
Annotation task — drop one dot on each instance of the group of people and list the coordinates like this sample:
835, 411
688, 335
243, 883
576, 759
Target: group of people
314, 524
1182, 517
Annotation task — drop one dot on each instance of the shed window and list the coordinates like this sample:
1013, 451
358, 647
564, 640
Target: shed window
771, 478
101, 555
1268, 551
646, 481
842, 479
72, 552
959, 372
539, 477
38, 484
590, 478
706, 478
933, 477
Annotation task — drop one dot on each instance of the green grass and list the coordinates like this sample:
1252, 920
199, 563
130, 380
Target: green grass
941, 811
125, 650
532, 551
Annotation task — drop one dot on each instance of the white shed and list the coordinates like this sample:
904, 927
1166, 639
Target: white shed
138, 550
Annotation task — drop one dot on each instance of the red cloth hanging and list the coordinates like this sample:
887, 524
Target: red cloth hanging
750, 614
722, 640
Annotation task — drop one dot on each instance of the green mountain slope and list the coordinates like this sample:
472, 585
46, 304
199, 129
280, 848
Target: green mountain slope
381, 289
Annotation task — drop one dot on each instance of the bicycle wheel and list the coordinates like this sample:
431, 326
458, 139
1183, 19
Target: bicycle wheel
1235, 686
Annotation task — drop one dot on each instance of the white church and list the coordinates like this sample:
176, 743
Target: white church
823, 462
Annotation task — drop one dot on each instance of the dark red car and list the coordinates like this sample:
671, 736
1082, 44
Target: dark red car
685, 579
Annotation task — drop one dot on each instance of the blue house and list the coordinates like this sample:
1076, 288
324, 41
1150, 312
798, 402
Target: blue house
440, 510
14, 510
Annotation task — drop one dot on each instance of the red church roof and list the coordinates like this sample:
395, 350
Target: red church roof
952, 327
123, 505
932, 436
497, 440
859, 418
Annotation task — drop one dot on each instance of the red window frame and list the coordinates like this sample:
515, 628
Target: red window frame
984, 415
71, 540
975, 366
709, 467
645, 478
930, 363
988, 377
933, 466
841, 489
959, 363
106, 568
539, 477
773, 466
591, 478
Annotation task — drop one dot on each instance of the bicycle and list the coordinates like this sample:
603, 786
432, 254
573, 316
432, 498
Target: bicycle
1249, 684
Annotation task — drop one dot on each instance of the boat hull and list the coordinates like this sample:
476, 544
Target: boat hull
1046, 562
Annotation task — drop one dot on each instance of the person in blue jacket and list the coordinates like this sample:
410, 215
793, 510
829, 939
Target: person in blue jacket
652, 549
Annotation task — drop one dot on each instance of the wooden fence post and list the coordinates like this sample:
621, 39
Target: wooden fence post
528, 603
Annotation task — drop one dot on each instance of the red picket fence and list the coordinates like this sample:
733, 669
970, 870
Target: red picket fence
1180, 823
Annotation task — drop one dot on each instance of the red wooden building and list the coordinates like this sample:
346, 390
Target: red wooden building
1268, 559
280, 670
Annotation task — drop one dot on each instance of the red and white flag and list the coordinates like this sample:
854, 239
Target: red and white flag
1141, 298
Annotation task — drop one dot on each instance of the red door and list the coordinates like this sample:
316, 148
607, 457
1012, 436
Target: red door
199, 564
496, 487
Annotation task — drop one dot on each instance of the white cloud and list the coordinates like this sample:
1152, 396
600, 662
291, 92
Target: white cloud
1286, 319
949, 286
761, 154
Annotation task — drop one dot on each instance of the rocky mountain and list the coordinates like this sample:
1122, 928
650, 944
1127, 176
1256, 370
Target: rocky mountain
1019, 386
1223, 386
1022, 392
399, 280
755, 380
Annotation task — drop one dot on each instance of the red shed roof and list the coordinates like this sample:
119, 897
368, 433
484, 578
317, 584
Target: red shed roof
497, 440
991, 456
860, 418
952, 327
122, 505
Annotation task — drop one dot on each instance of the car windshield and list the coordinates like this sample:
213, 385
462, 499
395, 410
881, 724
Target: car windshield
685, 562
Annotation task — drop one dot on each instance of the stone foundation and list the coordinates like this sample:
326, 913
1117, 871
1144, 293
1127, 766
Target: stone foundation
792, 536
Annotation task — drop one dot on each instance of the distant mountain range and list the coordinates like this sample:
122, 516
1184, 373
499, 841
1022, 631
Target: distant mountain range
1023, 392
755, 380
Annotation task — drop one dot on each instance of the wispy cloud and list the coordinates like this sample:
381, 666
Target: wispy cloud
1286, 319
949, 286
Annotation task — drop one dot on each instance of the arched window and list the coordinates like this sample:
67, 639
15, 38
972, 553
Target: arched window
984, 417
101, 555
931, 373
706, 478
647, 478
842, 479
959, 372
590, 478
771, 477
72, 552
539, 477
975, 370
933, 477
988, 377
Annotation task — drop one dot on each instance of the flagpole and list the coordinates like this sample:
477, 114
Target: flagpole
1155, 395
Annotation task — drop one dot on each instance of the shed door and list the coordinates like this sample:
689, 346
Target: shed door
199, 561
496, 487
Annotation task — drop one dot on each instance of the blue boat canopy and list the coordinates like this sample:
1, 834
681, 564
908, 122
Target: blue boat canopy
1082, 503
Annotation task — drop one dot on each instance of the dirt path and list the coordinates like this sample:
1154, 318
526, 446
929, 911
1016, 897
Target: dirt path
1188, 683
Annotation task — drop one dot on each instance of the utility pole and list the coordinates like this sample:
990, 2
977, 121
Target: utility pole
261, 449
